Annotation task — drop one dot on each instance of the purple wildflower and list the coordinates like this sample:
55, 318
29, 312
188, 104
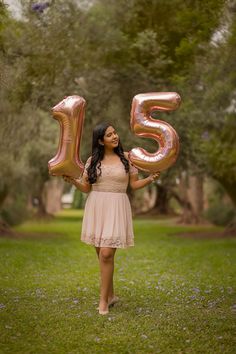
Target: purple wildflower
39, 7
205, 135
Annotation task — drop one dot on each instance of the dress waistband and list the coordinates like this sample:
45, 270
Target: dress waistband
108, 191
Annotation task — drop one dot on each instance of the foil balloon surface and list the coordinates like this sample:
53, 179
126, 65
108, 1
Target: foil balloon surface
70, 115
143, 125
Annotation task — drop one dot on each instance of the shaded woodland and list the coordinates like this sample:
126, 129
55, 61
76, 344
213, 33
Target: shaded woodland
107, 52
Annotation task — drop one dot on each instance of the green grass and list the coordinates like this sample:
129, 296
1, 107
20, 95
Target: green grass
177, 294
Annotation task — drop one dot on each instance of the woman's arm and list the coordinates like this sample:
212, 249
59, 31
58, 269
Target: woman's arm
82, 184
79, 183
136, 183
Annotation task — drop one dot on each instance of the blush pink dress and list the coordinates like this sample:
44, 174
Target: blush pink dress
107, 220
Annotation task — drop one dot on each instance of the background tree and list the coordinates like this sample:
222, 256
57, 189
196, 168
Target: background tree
108, 52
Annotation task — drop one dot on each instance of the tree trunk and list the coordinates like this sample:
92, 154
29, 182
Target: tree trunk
41, 212
3, 195
195, 195
230, 187
191, 198
5, 229
162, 200
51, 195
149, 198
156, 200
146, 203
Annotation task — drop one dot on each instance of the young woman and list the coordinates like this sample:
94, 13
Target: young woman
107, 222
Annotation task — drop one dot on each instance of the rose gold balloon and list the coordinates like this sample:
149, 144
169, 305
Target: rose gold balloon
70, 115
143, 125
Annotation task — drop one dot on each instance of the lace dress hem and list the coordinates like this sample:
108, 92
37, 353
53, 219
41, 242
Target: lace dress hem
107, 242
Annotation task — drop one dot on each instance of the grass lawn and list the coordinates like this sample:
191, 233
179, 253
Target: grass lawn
177, 294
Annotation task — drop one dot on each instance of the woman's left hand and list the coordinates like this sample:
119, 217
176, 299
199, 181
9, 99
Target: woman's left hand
154, 176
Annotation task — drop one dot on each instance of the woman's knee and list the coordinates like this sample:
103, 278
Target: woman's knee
107, 254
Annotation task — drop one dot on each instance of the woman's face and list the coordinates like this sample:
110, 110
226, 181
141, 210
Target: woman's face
111, 138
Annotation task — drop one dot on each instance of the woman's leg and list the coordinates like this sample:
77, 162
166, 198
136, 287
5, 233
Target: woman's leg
111, 288
97, 250
106, 261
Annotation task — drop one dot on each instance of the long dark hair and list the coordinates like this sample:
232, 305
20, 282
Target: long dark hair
98, 152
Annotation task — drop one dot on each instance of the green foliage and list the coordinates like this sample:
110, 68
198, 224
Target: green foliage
219, 148
221, 215
206, 120
108, 52
41, 149
221, 210
15, 210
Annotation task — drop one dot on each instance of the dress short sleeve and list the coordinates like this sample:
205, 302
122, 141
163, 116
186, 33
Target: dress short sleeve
87, 164
132, 169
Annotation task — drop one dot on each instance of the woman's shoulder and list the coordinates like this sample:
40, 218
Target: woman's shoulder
126, 154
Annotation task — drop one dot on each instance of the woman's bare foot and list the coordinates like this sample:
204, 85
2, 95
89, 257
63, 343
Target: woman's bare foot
113, 300
110, 297
103, 307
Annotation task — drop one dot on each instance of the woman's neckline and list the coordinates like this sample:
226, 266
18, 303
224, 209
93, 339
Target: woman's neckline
111, 164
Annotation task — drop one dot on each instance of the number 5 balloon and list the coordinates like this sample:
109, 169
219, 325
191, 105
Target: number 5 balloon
143, 125
70, 114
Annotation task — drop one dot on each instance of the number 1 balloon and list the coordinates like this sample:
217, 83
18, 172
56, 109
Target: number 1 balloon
143, 125
70, 115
